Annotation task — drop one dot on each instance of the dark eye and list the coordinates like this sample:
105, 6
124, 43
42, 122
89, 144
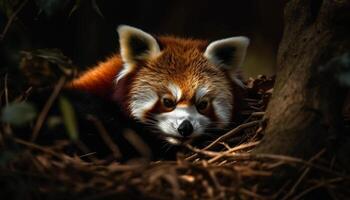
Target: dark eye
168, 103
202, 105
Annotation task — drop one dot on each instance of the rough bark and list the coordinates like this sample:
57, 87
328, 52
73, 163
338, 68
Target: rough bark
305, 109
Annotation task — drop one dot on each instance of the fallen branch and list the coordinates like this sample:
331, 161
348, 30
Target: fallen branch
227, 135
11, 18
42, 116
106, 138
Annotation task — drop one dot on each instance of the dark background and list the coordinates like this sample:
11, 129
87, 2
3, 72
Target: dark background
85, 30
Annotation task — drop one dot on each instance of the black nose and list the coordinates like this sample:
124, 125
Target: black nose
185, 129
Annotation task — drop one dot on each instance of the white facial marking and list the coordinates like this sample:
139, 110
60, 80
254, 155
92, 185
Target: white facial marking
142, 102
222, 109
201, 92
175, 91
169, 122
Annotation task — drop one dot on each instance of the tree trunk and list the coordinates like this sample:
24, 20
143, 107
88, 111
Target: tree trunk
305, 108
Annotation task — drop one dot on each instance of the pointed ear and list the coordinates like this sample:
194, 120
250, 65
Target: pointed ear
136, 45
228, 53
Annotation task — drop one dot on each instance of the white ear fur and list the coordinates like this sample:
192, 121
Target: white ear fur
136, 45
228, 53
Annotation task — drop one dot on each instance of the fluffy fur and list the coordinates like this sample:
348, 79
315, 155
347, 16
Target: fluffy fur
165, 80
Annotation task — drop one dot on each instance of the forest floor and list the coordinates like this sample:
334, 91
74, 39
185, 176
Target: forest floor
224, 169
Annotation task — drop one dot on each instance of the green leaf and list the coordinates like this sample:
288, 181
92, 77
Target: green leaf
18, 114
69, 119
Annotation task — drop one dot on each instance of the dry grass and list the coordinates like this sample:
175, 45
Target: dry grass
225, 169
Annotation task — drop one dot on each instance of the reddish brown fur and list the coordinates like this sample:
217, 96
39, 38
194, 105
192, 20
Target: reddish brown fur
181, 62
99, 79
184, 60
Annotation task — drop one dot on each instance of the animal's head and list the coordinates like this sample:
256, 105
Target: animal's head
180, 87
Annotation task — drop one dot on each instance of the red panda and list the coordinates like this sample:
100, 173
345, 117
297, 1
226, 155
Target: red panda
178, 87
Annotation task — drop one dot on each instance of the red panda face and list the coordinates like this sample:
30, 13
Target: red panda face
179, 87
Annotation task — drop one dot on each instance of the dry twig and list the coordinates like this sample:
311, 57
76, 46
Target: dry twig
42, 116
106, 138
227, 135
12, 18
